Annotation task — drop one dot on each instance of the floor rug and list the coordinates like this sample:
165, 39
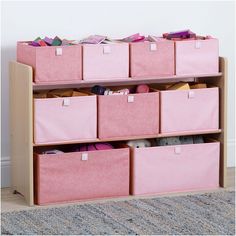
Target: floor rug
198, 214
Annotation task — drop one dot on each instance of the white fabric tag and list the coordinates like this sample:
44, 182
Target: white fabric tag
58, 51
153, 47
106, 49
130, 98
66, 102
84, 157
197, 44
177, 150
191, 94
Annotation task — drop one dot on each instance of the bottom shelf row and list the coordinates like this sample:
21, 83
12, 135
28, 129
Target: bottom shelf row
101, 170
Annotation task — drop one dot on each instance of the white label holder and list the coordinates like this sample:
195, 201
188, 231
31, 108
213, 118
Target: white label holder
84, 157
58, 51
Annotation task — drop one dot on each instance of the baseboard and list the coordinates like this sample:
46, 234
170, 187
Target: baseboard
6, 164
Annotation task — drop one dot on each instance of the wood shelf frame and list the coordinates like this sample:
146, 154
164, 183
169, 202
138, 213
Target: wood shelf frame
21, 119
187, 133
127, 81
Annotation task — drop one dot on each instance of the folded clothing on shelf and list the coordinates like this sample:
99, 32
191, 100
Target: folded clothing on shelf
184, 35
141, 38
56, 41
98, 39
101, 39
94, 39
134, 38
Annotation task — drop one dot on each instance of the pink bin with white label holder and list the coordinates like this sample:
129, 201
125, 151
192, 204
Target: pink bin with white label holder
128, 115
81, 175
65, 119
52, 64
105, 61
175, 168
152, 58
189, 110
197, 57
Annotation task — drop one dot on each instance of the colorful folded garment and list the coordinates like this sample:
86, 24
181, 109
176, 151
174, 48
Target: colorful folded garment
134, 38
94, 39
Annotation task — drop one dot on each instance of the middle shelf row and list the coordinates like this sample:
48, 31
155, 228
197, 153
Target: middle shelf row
82, 115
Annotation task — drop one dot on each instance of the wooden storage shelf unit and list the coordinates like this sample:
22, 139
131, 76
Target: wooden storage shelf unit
21, 119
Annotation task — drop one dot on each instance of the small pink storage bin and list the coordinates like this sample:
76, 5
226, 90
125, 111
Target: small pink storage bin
196, 57
128, 115
70, 176
105, 61
52, 64
65, 119
152, 58
189, 110
175, 168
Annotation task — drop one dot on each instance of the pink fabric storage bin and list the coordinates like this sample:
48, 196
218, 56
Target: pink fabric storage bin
152, 58
70, 176
105, 61
128, 115
52, 64
175, 168
196, 57
65, 119
189, 110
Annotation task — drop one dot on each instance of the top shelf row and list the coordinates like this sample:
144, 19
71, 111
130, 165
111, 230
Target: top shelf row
117, 62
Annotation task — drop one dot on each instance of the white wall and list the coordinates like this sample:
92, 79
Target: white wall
27, 20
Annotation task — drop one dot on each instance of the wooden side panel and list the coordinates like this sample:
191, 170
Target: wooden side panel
221, 82
21, 129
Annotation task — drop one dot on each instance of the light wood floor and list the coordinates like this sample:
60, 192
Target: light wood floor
11, 202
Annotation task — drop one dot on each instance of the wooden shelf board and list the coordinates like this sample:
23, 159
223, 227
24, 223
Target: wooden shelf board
126, 81
186, 133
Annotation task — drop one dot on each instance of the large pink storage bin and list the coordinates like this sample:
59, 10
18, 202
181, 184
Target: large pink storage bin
196, 57
70, 176
52, 64
128, 115
152, 59
105, 61
65, 119
189, 110
175, 168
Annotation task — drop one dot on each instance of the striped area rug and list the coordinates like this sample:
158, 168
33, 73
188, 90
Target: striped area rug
198, 214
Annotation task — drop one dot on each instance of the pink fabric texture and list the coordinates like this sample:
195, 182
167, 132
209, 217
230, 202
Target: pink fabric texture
49, 67
128, 115
175, 168
189, 110
65, 119
66, 177
105, 61
152, 59
197, 57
